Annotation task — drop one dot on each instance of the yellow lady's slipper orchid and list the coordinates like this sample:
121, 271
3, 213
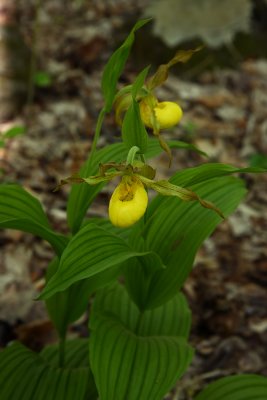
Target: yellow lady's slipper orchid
128, 202
167, 114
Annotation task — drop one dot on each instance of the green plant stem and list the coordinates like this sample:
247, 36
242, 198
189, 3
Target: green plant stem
61, 352
131, 155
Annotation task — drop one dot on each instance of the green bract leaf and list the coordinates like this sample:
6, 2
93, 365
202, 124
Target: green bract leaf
135, 356
133, 131
27, 375
115, 65
139, 82
20, 210
91, 251
239, 387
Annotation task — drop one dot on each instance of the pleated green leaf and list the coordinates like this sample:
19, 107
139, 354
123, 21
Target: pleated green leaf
187, 225
82, 195
184, 227
20, 210
171, 319
239, 387
134, 356
76, 356
115, 65
26, 375
91, 251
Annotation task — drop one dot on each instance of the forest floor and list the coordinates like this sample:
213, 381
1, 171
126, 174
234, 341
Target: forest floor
225, 115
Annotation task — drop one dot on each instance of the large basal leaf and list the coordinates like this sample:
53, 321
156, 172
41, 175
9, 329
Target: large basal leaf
20, 210
91, 251
115, 65
25, 375
82, 195
239, 387
184, 227
134, 356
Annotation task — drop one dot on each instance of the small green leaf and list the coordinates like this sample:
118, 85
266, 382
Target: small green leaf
133, 130
14, 131
42, 79
139, 82
239, 387
27, 375
115, 65
133, 355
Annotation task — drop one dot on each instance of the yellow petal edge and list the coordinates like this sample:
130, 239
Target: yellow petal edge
128, 202
167, 113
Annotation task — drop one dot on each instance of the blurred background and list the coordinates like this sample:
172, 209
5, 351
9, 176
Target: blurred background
52, 55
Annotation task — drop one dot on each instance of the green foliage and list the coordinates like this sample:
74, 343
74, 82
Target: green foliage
258, 160
20, 210
139, 327
11, 133
133, 131
186, 225
240, 387
27, 375
91, 251
153, 339
42, 79
67, 306
115, 65
81, 196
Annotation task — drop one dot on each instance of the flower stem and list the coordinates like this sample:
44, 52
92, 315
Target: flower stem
131, 155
